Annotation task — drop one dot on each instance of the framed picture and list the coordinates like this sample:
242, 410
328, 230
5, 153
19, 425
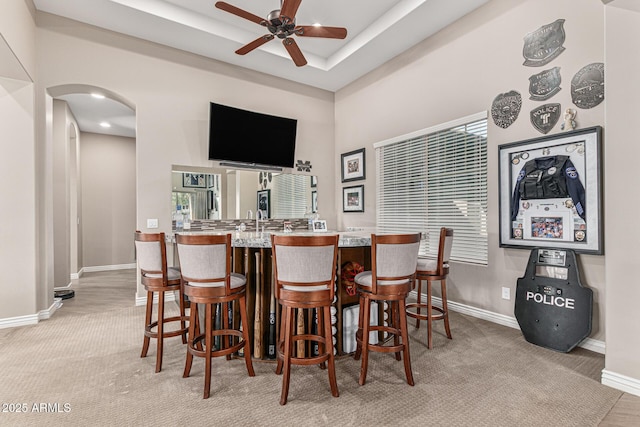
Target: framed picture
550, 192
263, 202
319, 225
194, 180
353, 199
314, 201
353, 167
314, 181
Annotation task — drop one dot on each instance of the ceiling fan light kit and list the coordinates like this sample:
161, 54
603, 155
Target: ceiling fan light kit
281, 23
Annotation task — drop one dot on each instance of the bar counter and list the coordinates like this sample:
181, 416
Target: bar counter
252, 257
249, 239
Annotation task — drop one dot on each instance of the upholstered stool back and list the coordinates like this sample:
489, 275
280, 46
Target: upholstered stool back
156, 277
205, 262
393, 267
305, 269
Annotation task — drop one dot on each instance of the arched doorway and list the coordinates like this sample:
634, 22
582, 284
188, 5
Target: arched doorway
93, 181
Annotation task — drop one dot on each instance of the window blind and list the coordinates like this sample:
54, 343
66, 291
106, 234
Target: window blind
286, 196
437, 178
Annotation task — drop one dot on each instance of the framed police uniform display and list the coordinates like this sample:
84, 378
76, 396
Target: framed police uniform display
550, 192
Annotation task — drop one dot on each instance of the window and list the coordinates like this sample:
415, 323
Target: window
288, 191
434, 178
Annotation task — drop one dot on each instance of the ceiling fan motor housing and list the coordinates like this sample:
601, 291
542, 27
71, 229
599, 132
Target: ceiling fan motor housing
278, 27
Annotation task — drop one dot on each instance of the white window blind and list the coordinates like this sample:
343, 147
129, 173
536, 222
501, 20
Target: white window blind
437, 178
286, 196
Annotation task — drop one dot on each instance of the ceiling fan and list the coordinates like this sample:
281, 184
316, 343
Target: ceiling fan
281, 23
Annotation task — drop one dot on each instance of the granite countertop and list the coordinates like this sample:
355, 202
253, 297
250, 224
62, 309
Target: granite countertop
247, 239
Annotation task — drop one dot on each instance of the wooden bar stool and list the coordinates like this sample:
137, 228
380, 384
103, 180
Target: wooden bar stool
205, 263
156, 277
393, 269
305, 270
432, 270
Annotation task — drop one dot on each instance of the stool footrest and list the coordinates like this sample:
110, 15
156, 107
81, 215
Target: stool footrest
381, 347
417, 315
148, 332
223, 333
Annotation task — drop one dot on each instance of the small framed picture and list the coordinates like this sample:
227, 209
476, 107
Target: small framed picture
314, 181
194, 180
314, 201
264, 203
319, 225
353, 199
353, 167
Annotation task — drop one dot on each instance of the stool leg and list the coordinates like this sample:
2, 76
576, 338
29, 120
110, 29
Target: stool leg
287, 355
193, 316
322, 315
160, 330
208, 342
329, 347
405, 340
445, 309
224, 341
183, 324
429, 315
394, 306
365, 309
280, 353
147, 322
245, 336
358, 351
419, 296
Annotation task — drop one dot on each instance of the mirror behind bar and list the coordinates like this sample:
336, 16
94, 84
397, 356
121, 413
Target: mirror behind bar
225, 194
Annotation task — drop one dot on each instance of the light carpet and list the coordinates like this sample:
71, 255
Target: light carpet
87, 371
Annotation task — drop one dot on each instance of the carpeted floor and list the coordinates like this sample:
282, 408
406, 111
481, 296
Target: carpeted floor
86, 370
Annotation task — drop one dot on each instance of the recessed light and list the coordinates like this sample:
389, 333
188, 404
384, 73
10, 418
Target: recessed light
97, 95
105, 125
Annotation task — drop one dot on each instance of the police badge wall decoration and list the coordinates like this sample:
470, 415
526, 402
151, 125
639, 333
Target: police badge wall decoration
505, 108
544, 44
545, 117
545, 84
587, 86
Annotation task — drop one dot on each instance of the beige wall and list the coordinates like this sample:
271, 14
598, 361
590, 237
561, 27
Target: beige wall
621, 189
456, 73
171, 92
108, 176
18, 248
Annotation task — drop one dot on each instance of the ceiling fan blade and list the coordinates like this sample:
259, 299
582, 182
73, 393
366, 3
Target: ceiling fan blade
254, 44
239, 12
294, 51
289, 9
327, 32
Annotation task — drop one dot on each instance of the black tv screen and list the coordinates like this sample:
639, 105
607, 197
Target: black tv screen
243, 136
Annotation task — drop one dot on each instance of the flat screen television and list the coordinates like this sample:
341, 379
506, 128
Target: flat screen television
251, 138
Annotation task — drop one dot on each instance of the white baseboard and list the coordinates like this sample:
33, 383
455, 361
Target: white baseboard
108, 267
501, 319
142, 300
31, 319
621, 382
77, 275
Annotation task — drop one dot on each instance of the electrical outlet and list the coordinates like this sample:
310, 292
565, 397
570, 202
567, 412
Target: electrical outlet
506, 293
152, 223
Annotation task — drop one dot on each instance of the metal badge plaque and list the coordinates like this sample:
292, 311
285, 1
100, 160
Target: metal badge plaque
505, 108
587, 86
544, 44
545, 117
545, 84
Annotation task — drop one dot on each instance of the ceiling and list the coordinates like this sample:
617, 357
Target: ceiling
377, 31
